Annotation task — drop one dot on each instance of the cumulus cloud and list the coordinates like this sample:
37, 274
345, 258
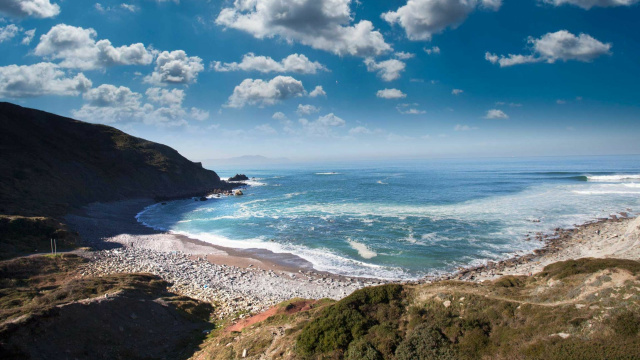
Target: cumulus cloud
28, 36
435, 50
295, 63
588, 4
77, 48
39, 80
323, 125
127, 7
391, 94
318, 91
496, 114
359, 130
175, 67
561, 45
463, 128
165, 97
8, 32
388, 70
321, 24
280, 116
457, 91
409, 109
404, 55
306, 110
264, 93
421, 19
108, 104
32, 8
265, 129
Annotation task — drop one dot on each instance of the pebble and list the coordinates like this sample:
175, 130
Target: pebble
230, 289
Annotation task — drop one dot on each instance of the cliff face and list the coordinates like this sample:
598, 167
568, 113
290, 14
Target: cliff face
50, 163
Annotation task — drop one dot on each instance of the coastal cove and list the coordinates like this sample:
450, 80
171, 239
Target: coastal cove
406, 220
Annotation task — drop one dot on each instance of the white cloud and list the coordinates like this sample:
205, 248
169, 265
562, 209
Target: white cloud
323, 125
388, 70
561, 102
464, 128
421, 19
501, 103
306, 110
457, 91
199, 114
34, 8
404, 55
432, 50
164, 96
560, 45
318, 91
77, 48
293, 63
175, 67
110, 104
409, 109
280, 116
8, 32
28, 36
321, 24
39, 80
359, 130
391, 94
588, 4
130, 7
496, 114
265, 129
263, 93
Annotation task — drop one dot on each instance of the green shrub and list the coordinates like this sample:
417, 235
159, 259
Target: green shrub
350, 319
363, 350
626, 324
563, 269
511, 281
425, 343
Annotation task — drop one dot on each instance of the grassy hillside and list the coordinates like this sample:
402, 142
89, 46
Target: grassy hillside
50, 163
585, 309
48, 312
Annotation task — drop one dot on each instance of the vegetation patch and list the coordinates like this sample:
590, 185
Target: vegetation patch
564, 269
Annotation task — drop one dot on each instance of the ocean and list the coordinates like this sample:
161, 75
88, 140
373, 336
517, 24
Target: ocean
405, 219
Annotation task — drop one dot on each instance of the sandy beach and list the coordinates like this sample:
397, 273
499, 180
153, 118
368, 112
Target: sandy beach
238, 281
250, 281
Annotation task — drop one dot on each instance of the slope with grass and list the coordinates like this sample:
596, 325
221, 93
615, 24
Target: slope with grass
47, 311
579, 309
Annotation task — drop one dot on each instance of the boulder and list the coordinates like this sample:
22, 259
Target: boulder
238, 193
239, 177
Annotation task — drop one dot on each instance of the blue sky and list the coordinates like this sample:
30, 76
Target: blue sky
335, 79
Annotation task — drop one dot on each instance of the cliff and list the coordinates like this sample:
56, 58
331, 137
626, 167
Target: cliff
50, 164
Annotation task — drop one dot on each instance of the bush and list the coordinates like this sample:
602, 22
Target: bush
424, 343
563, 269
350, 319
363, 350
626, 324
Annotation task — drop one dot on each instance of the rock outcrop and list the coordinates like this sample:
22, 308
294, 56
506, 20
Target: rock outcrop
50, 164
239, 177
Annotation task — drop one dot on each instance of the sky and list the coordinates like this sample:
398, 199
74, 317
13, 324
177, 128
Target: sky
335, 79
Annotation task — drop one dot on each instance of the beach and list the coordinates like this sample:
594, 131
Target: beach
242, 282
237, 281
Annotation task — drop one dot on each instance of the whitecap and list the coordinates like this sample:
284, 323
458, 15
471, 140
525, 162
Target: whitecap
363, 250
613, 178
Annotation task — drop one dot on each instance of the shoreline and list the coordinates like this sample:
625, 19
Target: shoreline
255, 279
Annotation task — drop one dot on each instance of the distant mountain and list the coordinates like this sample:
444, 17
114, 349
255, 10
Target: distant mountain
245, 160
50, 164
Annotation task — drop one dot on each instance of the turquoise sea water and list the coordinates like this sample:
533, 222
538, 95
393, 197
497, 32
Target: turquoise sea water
406, 219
